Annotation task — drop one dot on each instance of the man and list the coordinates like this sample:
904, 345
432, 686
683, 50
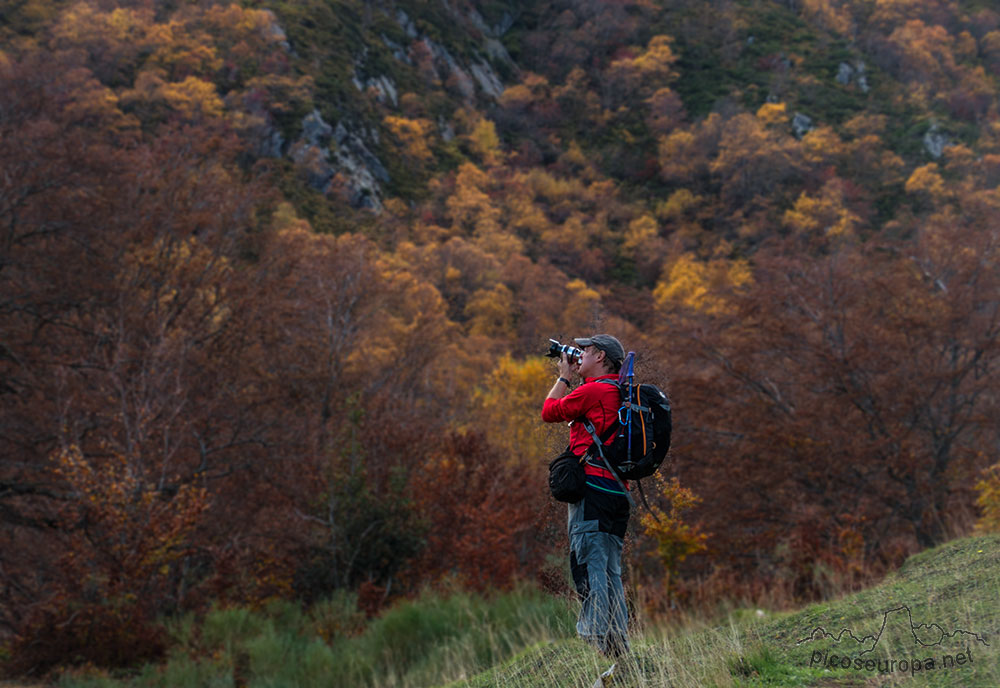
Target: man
597, 523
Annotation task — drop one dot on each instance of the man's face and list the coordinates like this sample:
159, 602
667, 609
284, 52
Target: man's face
592, 362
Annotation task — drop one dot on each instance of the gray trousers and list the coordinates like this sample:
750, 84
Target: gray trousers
596, 563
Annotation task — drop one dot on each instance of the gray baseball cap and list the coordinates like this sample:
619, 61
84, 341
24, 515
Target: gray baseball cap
606, 343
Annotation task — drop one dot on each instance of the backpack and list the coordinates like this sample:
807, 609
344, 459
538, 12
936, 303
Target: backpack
642, 432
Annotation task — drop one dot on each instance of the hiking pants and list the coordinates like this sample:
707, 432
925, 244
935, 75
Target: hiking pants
595, 562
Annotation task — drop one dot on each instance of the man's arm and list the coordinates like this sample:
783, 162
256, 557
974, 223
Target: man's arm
551, 411
559, 389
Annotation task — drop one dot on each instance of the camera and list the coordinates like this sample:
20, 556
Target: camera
572, 353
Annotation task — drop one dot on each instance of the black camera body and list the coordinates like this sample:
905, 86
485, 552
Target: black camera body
556, 349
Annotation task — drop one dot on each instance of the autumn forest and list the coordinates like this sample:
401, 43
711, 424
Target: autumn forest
276, 278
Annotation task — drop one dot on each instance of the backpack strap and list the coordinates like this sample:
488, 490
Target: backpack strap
599, 443
589, 427
628, 404
642, 496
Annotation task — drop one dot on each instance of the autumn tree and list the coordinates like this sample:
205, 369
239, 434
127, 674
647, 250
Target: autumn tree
846, 397
642, 75
491, 522
675, 539
133, 356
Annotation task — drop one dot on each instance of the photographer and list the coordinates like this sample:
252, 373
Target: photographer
597, 523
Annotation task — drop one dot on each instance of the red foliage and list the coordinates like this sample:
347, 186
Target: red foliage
489, 520
829, 412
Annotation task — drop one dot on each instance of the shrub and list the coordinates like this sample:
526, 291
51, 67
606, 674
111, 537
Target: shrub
989, 499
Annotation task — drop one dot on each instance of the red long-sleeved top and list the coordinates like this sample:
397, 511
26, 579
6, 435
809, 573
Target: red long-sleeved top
596, 401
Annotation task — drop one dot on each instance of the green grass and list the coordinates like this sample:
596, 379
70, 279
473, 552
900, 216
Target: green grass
525, 638
955, 586
425, 642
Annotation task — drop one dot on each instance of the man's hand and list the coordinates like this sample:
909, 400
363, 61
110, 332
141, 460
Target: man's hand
566, 368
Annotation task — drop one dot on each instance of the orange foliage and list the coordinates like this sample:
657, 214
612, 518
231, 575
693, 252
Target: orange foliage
675, 539
412, 136
989, 499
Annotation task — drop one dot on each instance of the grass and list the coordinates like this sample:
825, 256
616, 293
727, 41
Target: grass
425, 642
954, 586
525, 638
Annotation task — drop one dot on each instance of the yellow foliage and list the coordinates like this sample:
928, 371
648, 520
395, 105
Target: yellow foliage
989, 500
552, 189
826, 15
532, 87
496, 238
468, 206
675, 539
678, 203
927, 52
697, 284
180, 53
412, 135
569, 237
926, 179
771, 114
752, 158
889, 12
638, 234
125, 24
630, 78
485, 143
960, 158
966, 46
83, 23
822, 145
240, 21
184, 279
511, 398
516, 96
582, 306
657, 61
677, 153
574, 155
95, 102
491, 312
409, 309
472, 177
285, 217
524, 214
866, 124
193, 97
825, 213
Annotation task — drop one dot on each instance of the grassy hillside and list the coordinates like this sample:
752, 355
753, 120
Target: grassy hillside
954, 586
525, 639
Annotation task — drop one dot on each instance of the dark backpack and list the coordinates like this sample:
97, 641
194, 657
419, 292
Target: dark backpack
642, 433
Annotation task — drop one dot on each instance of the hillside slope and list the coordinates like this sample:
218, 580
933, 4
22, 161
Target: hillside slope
951, 595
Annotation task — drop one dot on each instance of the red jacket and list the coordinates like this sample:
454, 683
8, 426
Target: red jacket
594, 400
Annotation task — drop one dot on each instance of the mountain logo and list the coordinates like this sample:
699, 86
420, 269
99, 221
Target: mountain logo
820, 633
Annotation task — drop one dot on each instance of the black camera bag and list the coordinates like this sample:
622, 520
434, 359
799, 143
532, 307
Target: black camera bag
566, 478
